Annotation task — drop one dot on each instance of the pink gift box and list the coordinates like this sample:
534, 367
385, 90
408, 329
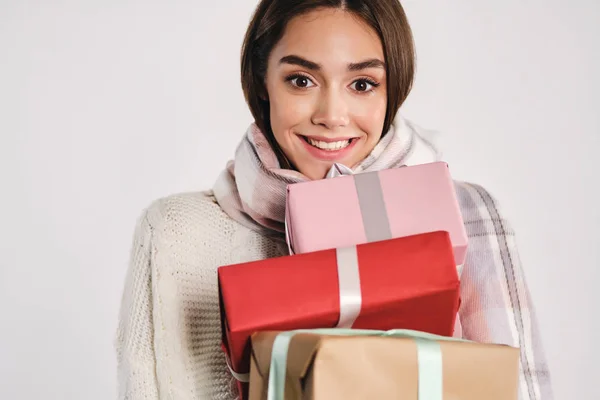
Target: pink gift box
353, 209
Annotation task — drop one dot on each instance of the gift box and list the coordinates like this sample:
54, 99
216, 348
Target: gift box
372, 206
408, 282
362, 365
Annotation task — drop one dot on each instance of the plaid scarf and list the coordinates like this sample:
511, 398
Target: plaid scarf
252, 188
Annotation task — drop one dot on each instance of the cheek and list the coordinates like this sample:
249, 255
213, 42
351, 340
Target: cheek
288, 111
370, 117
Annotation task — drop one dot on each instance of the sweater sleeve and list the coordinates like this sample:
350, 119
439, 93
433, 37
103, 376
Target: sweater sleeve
496, 304
136, 362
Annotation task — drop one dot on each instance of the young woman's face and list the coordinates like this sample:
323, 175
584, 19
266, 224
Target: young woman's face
326, 84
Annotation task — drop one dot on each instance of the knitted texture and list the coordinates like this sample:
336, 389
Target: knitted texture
169, 335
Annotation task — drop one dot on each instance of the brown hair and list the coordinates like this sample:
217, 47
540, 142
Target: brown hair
270, 18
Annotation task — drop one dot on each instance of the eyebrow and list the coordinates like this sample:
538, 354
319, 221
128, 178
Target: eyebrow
302, 62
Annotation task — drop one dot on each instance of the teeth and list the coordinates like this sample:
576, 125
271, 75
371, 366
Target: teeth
329, 145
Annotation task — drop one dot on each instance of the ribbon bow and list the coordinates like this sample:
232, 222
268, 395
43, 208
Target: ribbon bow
338, 169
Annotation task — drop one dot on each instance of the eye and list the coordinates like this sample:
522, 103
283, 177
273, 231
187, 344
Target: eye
364, 85
300, 81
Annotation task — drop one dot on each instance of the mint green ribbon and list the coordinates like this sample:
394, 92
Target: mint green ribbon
429, 355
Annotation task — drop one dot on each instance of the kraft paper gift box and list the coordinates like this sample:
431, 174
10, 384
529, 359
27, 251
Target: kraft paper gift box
371, 206
409, 283
363, 365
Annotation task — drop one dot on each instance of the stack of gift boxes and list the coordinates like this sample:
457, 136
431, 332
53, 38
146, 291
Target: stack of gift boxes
366, 304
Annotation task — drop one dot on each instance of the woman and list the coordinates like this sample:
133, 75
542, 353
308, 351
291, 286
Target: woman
324, 80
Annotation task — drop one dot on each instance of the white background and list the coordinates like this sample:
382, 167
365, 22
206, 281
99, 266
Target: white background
107, 105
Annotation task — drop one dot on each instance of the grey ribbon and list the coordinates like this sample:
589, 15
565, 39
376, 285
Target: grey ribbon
372, 207
370, 199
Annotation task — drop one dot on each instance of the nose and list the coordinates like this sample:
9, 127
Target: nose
331, 111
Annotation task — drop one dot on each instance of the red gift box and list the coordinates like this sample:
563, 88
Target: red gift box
403, 283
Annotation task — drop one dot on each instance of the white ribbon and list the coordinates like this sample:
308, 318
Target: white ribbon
347, 266
245, 378
350, 295
349, 283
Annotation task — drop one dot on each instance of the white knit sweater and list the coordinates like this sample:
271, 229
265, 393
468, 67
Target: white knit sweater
168, 337
168, 340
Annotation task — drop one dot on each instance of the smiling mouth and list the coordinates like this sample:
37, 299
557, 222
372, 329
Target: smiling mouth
329, 146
